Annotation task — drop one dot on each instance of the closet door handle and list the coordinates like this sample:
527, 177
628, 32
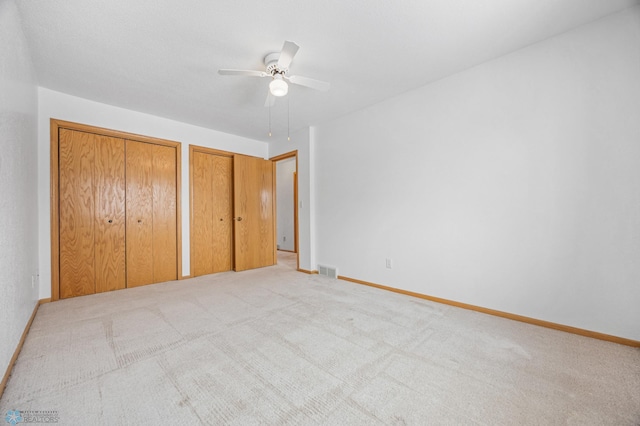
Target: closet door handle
110, 221
239, 219
139, 220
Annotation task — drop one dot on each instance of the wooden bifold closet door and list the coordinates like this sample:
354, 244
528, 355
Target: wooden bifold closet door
254, 209
92, 213
151, 214
232, 212
117, 213
212, 215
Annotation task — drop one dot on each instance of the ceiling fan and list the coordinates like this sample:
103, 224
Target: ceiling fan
277, 67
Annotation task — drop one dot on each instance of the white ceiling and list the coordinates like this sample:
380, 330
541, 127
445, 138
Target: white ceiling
161, 56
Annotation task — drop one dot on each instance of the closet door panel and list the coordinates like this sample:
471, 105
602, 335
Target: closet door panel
139, 213
164, 243
253, 208
109, 190
267, 235
222, 235
241, 205
202, 251
76, 213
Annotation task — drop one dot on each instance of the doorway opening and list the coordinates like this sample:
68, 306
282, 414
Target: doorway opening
286, 178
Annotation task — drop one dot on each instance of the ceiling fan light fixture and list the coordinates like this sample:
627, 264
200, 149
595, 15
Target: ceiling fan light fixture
278, 87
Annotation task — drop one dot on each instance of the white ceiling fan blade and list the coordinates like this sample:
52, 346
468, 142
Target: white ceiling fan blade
270, 100
248, 73
309, 82
289, 50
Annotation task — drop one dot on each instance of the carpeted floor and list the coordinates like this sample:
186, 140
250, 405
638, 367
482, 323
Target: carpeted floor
275, 346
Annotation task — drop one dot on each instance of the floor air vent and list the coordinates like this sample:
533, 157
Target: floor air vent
328, 271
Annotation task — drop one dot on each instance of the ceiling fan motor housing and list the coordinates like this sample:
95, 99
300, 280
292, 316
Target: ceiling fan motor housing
271, 62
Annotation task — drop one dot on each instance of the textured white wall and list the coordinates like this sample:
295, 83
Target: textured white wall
18, 162
514, 185
284, 192
70, 108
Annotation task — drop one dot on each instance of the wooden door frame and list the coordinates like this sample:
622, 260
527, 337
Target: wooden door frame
55, 126
285, 156
214, 151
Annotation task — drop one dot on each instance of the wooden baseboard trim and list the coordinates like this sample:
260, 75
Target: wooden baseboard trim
7, 373
287, 251
307, 272
515, 317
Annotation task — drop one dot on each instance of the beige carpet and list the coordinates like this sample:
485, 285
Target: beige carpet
275, 346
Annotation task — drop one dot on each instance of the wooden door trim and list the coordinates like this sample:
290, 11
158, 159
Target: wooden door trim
192, 150
295, 209
55, 126
296, 245
55, 210
205, 150
274, 213
113, 133
178, 148
214, 151
284, 156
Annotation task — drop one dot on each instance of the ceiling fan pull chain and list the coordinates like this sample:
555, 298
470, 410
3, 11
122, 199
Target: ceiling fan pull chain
269, 120
288, 117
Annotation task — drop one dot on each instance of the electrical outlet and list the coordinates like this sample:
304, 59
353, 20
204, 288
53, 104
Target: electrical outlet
389, 264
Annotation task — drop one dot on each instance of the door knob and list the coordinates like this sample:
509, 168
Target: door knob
139, 220
220, 219
110, 220
239, 219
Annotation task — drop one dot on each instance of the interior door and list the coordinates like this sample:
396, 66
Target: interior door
212, 213
92, 210
254, 204
139, 214
202, 214
165, 238
114, 212
151, 213
77, 213
222, 190
109, 190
